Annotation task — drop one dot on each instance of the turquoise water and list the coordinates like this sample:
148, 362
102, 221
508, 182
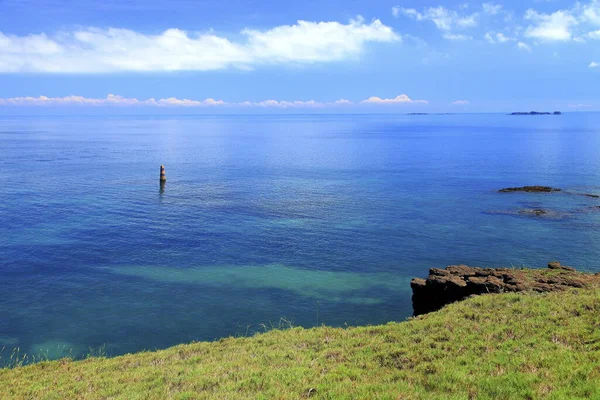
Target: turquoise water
316, 219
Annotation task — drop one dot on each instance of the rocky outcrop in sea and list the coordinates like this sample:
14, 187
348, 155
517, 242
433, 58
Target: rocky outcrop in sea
458, 282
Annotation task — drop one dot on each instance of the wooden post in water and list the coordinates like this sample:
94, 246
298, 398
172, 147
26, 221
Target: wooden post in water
163, 177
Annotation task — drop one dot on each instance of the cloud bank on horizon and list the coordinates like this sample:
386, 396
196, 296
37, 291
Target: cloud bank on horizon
116, 100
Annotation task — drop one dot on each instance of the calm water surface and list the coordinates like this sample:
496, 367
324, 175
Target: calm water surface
318, 219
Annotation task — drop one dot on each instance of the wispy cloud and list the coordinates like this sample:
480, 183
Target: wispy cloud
523, 46
594, 64
95, 50
115, 100
443, 18
594, 35
401, 99
551, 27
590, 12
498, 37
109, 100
172, 101
456, 36
285, 104
578, 22
460, 103
491, 8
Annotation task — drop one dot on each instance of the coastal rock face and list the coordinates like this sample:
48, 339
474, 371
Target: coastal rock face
457, 282
530, 189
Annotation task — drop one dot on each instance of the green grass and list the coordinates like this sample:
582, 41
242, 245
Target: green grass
509, 346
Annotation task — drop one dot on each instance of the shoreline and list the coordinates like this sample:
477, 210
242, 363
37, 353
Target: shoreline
504, 338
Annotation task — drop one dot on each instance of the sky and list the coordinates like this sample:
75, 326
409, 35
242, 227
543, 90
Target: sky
309, 56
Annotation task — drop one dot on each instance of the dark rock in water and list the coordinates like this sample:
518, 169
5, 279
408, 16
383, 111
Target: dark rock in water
530, 189
536, 113
538, 212
589, 209
591, 195
457, 282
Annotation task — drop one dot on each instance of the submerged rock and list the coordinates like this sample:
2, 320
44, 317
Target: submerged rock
535, 212
457, 282
590, 195
589, 209
538, 213
530, 189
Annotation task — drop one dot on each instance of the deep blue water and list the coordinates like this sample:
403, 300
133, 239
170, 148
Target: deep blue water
318, 219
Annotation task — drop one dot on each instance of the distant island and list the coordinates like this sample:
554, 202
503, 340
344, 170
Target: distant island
422, 113
536, 113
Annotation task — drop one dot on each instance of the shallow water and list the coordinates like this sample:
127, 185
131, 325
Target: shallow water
317, 219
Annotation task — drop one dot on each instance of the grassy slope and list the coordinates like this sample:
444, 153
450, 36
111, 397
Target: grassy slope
494, 346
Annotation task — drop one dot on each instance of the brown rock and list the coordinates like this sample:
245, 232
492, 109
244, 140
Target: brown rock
462, 270
439, 272
556, 265
457, 282
417, 283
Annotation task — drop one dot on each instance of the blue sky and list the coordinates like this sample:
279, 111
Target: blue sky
309, 56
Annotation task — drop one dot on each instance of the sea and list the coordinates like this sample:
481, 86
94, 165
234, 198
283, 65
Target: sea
270, 221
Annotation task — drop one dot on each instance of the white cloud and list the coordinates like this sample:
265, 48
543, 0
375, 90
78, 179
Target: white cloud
456, 36
172, 101
95, 50
115, 100
594, 64
285, 104
408, 12
523, 46
111, 99
491, 8
498, 37
552, 27
401, 99
460, 103
591, 12
443, 18
294, 104
594, 35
